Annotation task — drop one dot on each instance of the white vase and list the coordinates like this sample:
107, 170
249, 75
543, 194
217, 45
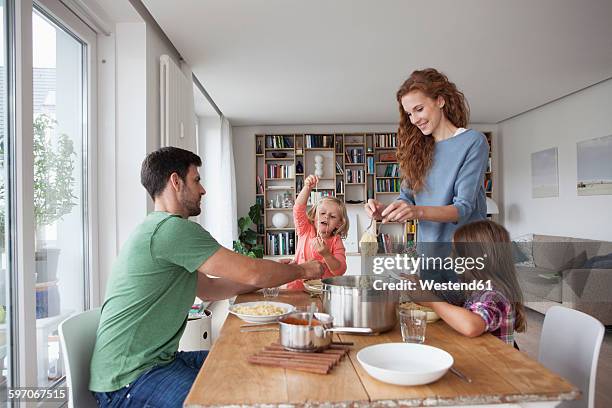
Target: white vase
280, 220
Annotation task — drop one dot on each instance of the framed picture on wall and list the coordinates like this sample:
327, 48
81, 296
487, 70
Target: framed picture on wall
545, 173
594, 164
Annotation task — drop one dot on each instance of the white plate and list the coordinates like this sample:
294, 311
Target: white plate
261, 319
313, 286
405, 363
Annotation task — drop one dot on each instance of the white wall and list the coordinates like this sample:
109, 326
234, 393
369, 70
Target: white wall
131, 130
129, 124
581, 116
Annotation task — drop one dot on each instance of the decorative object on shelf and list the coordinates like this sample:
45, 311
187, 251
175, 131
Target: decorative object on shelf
299, 167
259, 149
287, 201
278, 202
279, 155
280, 220
318, 165
492, 206
247, 244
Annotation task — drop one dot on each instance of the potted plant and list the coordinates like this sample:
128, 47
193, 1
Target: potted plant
54, 163
53, 189
247, 238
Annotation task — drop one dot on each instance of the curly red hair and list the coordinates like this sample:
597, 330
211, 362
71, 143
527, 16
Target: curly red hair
415, 150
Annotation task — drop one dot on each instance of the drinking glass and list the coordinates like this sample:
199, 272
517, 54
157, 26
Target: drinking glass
413, 324
271, 292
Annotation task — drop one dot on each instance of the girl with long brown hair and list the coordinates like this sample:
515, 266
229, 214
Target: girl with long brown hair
442, 163
497, 305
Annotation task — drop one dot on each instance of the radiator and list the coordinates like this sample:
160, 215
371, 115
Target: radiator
176, 107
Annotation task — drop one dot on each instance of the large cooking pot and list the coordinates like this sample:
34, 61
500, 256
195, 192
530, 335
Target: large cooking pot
353, 301
296, 335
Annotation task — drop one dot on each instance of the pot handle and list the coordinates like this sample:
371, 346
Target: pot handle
350, 330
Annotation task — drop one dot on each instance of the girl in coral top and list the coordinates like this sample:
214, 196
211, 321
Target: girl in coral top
320, 231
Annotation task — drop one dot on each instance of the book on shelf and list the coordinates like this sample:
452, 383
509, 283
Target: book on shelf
315, 196
319, 141
279, 142
355, 155
281, 243
392, 170
388, 185
279, 171
355, 176
339, 169
340, 187
488, 185
370, 161
386, 140
260, 189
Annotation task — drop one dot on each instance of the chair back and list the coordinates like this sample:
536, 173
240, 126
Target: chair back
78, 338
569, 346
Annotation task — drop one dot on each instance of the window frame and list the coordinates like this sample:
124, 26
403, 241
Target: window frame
20, 111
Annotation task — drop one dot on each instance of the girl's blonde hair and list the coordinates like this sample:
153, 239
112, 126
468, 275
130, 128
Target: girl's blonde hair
342, 230
487, 237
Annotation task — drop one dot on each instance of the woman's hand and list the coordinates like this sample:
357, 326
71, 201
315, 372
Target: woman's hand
286, 261
400, 211
311, 181
320, 246
374, 208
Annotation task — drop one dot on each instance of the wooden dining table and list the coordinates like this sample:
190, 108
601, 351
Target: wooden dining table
501, 375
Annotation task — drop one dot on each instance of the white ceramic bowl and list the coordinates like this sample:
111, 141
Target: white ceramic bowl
405, 363
261, 319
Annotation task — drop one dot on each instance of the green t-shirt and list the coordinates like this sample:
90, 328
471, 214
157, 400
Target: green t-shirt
151, 289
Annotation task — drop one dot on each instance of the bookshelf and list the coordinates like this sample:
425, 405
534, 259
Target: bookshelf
355, 167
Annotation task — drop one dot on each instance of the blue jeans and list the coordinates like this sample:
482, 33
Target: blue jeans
163, 386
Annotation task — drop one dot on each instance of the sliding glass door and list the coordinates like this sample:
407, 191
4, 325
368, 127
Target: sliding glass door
61, 62
5, 199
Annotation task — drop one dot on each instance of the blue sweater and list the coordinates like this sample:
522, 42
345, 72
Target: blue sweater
456, 177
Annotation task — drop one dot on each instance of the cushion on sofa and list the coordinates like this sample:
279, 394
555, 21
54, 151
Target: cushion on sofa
522, 250
598, 262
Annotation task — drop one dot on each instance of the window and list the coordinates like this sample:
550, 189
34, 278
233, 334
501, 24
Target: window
5, 294
60, 143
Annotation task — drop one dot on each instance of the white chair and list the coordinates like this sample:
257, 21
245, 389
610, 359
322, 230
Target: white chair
569, 346
77, 339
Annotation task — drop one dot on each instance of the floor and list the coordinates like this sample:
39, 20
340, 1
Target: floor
528, 342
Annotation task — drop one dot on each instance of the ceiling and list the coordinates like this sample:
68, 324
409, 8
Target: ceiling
341, 61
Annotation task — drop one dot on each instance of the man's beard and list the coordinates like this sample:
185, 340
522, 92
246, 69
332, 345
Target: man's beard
193, 208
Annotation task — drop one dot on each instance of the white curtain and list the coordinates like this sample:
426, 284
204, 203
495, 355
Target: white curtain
219, 208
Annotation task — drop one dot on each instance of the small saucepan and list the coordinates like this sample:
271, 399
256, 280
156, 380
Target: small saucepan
296, 335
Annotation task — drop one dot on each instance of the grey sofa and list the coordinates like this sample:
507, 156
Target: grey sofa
556, 270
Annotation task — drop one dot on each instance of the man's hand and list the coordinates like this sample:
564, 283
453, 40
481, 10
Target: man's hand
374, 208
312, 270
320, 246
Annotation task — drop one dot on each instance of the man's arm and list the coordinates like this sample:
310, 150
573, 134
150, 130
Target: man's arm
219, 288
261, 273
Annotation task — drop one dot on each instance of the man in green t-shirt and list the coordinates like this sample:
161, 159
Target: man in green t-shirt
160, 269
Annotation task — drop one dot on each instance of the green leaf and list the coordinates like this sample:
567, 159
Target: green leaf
255, 213
250, 237
258, 250
244, 223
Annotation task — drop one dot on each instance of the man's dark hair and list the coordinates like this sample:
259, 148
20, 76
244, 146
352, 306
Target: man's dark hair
160, 164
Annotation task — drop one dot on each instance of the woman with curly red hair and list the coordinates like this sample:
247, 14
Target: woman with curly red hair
442, 163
